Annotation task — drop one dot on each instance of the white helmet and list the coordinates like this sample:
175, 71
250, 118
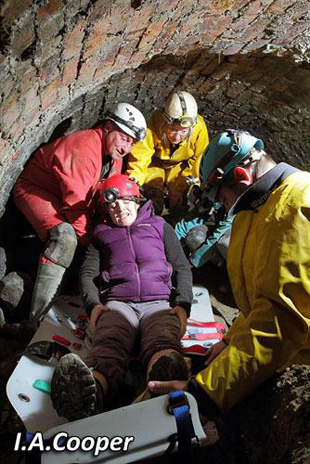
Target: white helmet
129, 119
181, 109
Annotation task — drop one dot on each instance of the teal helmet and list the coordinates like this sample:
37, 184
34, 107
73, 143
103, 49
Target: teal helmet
224, 153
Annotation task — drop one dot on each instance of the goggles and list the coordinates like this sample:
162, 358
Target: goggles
184, 121
139, 132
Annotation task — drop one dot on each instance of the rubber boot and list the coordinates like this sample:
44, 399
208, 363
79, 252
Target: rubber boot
75, 394
46, 288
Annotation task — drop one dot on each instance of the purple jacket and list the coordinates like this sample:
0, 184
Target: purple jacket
135, 267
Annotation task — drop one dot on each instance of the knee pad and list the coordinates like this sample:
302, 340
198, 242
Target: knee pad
61, 244
196, 237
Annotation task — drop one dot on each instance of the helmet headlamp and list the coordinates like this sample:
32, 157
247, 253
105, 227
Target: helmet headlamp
139, 132
111, 195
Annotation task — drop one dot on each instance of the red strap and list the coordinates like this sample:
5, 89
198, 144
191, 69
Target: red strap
203, 336
217, 325
61, 340
195, 349
44, 260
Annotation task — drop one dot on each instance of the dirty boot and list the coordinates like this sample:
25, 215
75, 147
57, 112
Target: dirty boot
75, 393
170, 366
46, 288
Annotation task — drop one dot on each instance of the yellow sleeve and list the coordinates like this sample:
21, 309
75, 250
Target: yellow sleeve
275, 333
140, 158
200, 144
260, 346
234, 328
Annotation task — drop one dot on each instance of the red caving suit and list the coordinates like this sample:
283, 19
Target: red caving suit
59, 182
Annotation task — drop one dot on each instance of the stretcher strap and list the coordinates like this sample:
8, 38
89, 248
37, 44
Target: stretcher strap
195, 349
215, 324
179, 407
203, 336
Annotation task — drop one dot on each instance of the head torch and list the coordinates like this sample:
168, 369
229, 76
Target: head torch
112, 194
139, 132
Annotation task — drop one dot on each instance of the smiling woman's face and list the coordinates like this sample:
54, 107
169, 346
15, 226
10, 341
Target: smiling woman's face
123, 212
176, 134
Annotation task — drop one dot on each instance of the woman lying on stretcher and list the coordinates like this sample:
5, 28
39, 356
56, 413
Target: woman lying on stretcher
135, 255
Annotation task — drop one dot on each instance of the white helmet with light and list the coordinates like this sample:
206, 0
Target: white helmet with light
181, 109
129, 119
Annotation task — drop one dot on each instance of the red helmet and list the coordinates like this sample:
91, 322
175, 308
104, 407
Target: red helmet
116, 187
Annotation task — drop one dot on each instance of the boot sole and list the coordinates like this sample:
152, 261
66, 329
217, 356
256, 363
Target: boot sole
73, 391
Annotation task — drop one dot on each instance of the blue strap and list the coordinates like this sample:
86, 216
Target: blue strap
179, 407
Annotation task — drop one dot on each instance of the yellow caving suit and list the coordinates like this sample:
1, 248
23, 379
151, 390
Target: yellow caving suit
268, 265
152, 163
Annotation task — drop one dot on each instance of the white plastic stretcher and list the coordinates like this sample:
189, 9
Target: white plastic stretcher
201, 331
149, 421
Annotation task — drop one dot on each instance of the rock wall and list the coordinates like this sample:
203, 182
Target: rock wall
63, 62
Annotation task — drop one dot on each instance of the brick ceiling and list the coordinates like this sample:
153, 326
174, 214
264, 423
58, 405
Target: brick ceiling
63, 62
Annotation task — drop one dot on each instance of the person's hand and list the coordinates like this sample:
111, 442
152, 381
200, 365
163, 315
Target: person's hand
182, 315
214, 351
159, 388
95, 314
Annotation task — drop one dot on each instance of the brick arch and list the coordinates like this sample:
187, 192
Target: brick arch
246, 62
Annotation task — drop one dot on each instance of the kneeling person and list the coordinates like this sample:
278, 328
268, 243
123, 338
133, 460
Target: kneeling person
268, 267
136, 255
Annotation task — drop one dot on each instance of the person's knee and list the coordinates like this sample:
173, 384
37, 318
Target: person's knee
196, 237
62, 242
161, 338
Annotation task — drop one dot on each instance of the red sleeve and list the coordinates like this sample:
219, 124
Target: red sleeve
77, 164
